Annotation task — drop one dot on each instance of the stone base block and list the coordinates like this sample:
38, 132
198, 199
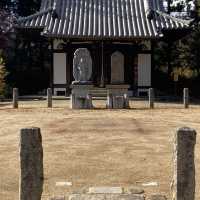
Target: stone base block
118, 102
81, 97
117, 96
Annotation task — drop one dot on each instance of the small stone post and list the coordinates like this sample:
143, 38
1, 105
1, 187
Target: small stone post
89, 102
15, 98
151, 98
186, 97
126, 101
31, 164
109, 101
49, 98
183, 184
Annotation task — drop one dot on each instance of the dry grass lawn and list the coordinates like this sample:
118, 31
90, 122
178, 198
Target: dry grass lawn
96, 147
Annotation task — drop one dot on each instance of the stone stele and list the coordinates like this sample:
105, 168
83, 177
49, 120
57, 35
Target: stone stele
117, 68
31, 164
82, 65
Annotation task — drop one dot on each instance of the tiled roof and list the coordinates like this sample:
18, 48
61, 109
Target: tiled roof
103, 19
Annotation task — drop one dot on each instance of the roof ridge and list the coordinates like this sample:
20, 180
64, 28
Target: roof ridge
186, 22
21, 19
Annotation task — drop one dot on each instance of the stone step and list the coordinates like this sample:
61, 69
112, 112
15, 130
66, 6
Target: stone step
99, 92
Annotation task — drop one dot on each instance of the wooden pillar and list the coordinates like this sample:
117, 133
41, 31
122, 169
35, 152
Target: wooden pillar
152, 63
51, 81
68, 69
102, 65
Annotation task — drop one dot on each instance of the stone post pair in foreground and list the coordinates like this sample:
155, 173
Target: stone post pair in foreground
31, 164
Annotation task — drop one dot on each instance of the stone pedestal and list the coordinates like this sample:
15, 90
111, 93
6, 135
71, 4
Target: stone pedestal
81, 97
117, 97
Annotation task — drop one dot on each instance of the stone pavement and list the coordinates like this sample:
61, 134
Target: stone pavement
112, 193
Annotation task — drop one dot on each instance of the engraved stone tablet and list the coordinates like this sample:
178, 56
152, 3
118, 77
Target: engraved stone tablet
117, 68
82, 65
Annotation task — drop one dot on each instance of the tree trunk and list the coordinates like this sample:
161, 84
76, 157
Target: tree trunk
198, 8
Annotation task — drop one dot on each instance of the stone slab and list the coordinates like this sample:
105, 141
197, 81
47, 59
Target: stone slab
57, 198
105, 190
63, 183
134, 190
106, 197
157, 197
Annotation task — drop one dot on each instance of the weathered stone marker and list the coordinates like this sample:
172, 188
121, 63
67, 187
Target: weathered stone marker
186, 97
49, 98
126, 101
15, 98
109, 101
151, 98
183, 184
31, 164
117, 68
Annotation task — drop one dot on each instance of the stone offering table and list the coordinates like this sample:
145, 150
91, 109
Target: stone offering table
117, 97
81, 97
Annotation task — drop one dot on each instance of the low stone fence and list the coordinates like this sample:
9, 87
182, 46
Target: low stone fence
32, 175
109, 103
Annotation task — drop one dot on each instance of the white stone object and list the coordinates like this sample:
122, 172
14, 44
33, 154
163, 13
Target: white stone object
150, 184
62, 183
105, 190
